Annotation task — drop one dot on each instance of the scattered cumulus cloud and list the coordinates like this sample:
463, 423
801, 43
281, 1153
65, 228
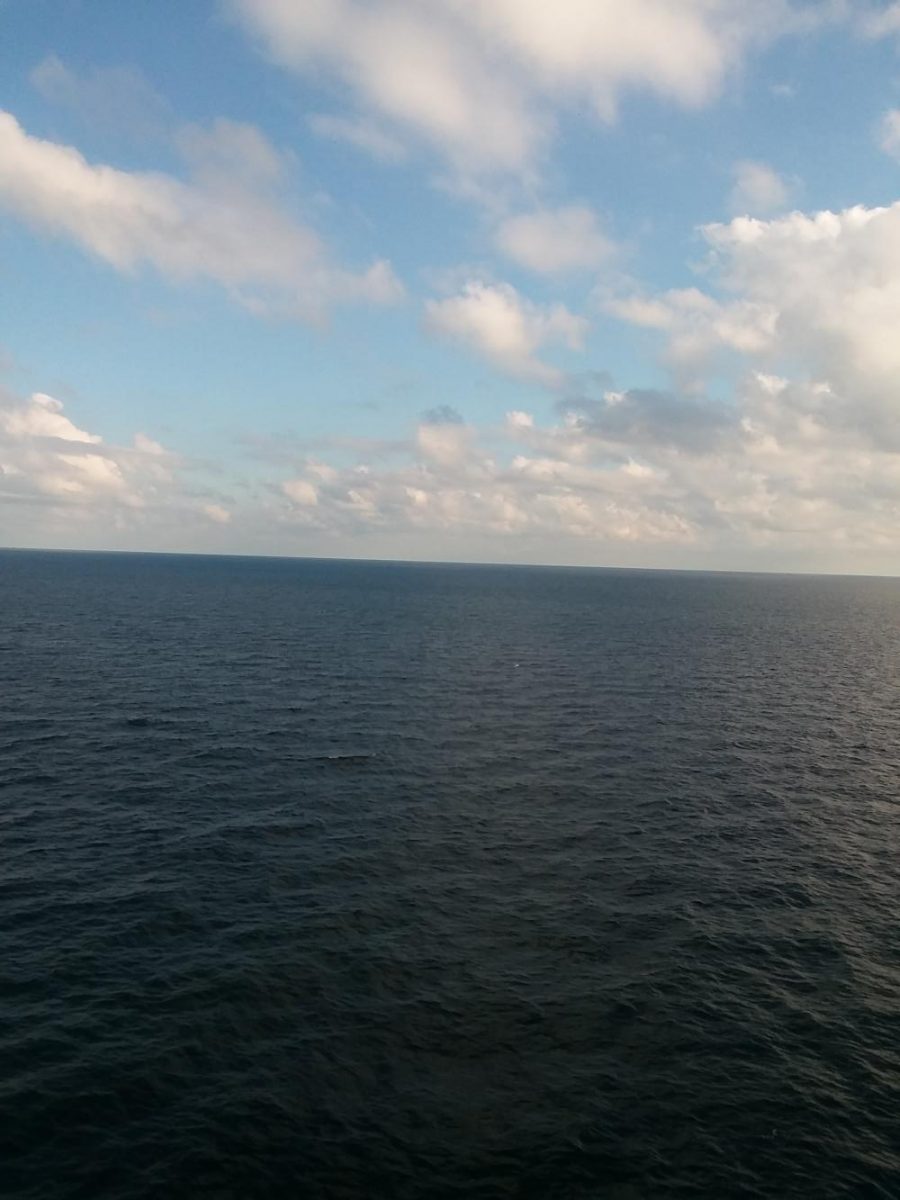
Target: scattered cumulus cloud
829, 283
44, 454
813, 293
63, 485
225, 223
451, 484
507, 329
776, 471
779, 471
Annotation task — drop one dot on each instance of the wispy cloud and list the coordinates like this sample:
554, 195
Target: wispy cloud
482, 83
360, 133
114, 99
225, 222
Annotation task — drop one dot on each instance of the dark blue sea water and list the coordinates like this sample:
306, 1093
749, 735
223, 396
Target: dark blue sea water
330, 879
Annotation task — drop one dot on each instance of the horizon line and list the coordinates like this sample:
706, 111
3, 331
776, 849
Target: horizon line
437, 562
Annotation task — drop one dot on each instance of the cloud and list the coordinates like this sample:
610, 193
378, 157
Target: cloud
63, 485
506, 329
800, 466
111, 99
829, 286
773, 476
452, 485
554, 241
889, 133
360, 133
758, 189
881, 22
812, 293
481, 82
800, 319
643, 417
777, 476
45, 455
699, 328
301, 492
414, 65
443, 444
225, 224
217, 513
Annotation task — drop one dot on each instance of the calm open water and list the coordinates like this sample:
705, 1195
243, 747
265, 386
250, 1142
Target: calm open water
331, 879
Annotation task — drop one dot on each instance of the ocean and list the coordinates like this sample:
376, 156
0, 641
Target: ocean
353, 879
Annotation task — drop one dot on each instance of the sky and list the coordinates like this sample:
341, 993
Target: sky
588, 282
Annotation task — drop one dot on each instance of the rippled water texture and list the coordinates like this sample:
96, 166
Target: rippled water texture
371, 880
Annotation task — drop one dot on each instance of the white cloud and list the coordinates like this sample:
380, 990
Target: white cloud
363, 134
413, 64
225, 224
777, 477
451, 485
506, 329
61, 485
800, 316
698, 326
445, 444
42, 417
480, 81
812, 293
554, 240
889, 133
774, 477
830, 284
758, 189
44, 454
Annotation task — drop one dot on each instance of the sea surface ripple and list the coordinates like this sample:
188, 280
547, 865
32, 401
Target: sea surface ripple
331, 879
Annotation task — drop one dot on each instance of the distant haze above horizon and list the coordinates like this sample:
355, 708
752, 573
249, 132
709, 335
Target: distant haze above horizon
593, 284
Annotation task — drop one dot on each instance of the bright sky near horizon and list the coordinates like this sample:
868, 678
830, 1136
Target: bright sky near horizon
610, 282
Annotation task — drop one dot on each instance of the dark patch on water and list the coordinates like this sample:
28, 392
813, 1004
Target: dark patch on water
367, 880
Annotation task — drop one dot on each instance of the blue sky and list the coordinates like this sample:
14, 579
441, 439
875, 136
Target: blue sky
585, 283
